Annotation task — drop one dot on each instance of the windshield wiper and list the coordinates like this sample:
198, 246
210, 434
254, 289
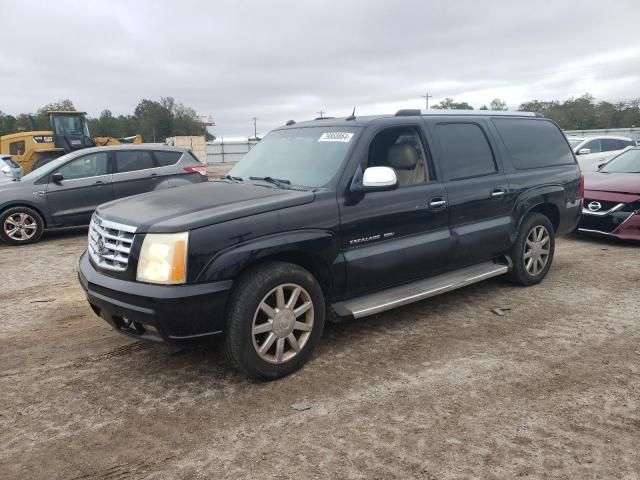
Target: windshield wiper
231, 177
278, 182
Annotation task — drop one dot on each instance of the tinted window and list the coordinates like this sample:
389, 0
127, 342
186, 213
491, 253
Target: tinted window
594, 145
401, 149
466, 150
533, 143
130, 161
609, 144
165, 159
92, 165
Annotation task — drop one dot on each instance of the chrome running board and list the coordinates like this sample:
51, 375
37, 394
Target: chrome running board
397, 296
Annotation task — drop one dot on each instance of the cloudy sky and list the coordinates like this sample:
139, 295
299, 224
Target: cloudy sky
278, 60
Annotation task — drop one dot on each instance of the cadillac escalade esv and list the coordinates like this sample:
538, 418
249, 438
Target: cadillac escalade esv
334, 219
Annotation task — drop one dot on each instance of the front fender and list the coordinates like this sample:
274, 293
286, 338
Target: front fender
40, 207
316, 246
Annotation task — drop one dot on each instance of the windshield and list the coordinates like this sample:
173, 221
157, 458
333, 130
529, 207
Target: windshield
627, 162
49, 167
308, 157
574, 142
70, 125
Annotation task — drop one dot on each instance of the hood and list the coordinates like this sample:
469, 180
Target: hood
613, 182
186, 208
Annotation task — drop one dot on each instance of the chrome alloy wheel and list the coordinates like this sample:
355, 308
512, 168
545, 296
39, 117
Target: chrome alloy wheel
20, 226
282, 323
536, 250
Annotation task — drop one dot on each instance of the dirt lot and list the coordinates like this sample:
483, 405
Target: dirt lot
440, 389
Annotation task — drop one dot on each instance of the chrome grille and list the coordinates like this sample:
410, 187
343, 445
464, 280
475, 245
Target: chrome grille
110, 243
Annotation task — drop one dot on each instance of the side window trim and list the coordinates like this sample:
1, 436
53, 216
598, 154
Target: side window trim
498, 170
428, 154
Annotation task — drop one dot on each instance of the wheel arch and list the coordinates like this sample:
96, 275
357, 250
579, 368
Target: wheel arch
546, 200
313, 250
30, 205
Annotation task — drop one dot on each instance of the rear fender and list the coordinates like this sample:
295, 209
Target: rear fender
552, 195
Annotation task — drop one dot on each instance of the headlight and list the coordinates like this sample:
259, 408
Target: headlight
163, 258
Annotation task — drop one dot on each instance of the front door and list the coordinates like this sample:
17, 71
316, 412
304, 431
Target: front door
85, 184
480, 202
396, 236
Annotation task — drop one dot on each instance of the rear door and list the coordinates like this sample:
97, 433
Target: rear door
477, 189
136, 171
396, 236
86, 184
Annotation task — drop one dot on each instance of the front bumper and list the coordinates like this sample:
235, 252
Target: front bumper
623, 225
155, 312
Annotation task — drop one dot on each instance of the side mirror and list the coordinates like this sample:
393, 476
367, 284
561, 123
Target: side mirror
584, 151
57, 177
378, 179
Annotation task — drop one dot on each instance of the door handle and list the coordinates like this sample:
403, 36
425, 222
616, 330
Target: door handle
497, 193
153, 175
99, 182
437, 203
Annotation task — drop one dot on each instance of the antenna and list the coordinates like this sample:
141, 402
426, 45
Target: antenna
352, 116
426, 96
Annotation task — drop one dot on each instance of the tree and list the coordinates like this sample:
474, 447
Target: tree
497, 104
449, 104
154, 121
484, 107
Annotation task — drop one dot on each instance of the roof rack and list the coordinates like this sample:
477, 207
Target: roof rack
324, 118
414, 112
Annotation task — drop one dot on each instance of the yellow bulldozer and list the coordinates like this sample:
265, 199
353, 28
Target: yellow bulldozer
69, 132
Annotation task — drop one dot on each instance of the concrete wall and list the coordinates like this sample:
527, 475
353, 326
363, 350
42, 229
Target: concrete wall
196, 144
228, 151
633, 133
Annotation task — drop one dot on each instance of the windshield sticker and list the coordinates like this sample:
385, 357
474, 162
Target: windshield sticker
336, 137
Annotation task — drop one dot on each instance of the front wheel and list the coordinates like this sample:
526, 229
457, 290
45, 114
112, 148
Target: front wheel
21, 226
532, 253
274, 321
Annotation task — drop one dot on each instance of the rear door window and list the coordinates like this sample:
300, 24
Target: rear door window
609, 144
133, 160
466, 150
166, 159
533, 143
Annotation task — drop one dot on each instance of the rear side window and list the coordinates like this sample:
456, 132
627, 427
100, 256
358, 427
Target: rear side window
130, 161
165, 159
466, 150
609, 144
534, 143
595, 146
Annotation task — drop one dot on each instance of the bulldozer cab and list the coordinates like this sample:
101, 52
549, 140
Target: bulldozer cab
70, 130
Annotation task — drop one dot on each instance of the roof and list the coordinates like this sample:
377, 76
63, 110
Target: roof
360, 121
128, 146
69, 112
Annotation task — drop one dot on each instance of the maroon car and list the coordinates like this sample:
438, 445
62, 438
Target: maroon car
612, 198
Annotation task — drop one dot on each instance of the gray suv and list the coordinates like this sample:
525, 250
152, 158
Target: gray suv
66, 191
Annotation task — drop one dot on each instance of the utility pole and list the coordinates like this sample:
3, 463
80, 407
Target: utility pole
255, 127
321, 112
426, 96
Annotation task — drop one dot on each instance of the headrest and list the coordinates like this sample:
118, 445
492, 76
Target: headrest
402, 156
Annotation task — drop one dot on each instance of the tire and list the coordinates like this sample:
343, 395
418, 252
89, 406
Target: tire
20, 226
531, 257
260, 322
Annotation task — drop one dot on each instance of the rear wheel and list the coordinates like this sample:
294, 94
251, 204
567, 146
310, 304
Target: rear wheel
275, 319
532, 253
21, 226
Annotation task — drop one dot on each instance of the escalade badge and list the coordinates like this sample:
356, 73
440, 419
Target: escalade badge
594, 206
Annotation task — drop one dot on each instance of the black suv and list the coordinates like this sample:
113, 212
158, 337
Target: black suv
334, 219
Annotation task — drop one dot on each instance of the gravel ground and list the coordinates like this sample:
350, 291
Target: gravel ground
440, 389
